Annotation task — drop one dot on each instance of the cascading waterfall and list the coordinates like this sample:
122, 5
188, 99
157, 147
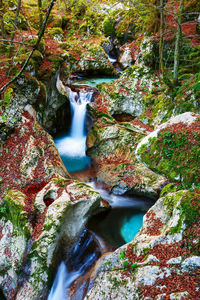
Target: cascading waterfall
72, 147
62, 282
100, 236
83, 256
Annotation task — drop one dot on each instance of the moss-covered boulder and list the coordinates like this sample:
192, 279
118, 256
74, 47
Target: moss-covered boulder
56, 33
173, 149
88, 57
27, 89
164, 252
126, 95
15, 231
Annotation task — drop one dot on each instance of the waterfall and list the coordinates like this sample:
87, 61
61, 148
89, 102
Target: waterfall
78, 106
83, 256
72, 147
62, 282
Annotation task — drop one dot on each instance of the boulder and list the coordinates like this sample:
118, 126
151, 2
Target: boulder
15, 231
112, 147
172, 149
126, 58
126, 95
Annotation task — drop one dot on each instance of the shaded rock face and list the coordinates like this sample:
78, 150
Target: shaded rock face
112, 146
56, 99
40, 205
173, 149
157, 263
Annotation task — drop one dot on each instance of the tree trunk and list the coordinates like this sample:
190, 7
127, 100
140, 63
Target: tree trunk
40, 12
15, 25
3, 33
161, 44
178, 43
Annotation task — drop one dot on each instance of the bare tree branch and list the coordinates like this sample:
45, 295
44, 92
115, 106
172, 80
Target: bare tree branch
9, 41
41, 33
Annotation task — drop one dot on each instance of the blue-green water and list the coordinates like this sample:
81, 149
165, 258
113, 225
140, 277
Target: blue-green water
93, 82
131, 227
72, 152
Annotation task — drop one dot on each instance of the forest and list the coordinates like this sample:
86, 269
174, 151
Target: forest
99, 149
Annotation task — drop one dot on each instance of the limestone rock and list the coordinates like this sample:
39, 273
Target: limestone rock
126, 59
191, 263
93, 61
73, 203
14, 233
126, 95
112, 146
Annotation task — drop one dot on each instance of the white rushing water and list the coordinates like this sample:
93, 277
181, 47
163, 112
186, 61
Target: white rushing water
119, 201
72, 147
79, 263
62, 282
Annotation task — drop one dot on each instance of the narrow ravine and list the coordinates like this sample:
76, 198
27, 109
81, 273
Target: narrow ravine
100, 235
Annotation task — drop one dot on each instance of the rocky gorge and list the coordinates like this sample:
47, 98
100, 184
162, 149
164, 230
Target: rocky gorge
141, 139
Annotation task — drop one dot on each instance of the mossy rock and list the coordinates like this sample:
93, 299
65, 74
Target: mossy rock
187, 202
169, 188
13, 209
109, 26
56, 33
9, 18
57, 21
173, 149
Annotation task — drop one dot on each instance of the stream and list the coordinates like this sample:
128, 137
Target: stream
104, 232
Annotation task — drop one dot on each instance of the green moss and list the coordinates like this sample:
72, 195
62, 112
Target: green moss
178, 227
190, 207
170, 188
172, 154
13, 209
109, 26
187, 202
56, 31
57, 21
60, 181
134, 266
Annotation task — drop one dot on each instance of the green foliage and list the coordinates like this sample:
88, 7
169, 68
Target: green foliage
170, 188
125, 264
108, 26
13, 211
122, 254
8, 96
190, 207
134, 266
